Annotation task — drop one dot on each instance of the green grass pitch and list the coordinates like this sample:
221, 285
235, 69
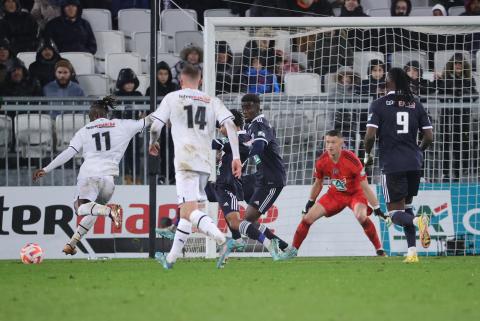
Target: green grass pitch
438, 288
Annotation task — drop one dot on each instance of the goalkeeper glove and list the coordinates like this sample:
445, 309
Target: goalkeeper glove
308, 206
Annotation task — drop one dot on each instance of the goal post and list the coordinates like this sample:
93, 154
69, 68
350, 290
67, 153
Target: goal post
314, 74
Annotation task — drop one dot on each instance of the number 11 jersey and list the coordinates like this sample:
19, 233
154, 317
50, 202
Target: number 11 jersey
398, 127
103, 143
193, 115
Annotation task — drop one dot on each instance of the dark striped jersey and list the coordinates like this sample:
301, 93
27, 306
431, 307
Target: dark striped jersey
398, 127
225, 178
270, 168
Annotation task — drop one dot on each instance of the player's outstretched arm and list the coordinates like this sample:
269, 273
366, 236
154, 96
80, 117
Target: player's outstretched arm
61, 159
155, 131
369, 141
314, 192
233, 140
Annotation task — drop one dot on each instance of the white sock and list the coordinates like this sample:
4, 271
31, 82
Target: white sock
205, 224
415, 221
412, 251
83, 227
184, 229
93, 208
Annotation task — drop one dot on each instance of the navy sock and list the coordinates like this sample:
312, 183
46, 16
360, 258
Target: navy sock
402, 218
248, 229
269, 234
235, 234
406, 220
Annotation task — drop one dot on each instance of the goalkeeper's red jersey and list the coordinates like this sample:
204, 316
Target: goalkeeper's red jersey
345, 175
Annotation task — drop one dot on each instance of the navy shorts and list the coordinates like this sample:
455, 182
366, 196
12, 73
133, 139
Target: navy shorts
401, 185
263, 197
227, 200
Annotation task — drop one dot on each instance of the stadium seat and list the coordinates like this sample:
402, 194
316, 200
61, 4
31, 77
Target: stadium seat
420, 3
188, 38
133, 20
66, 125
94, 85
27, 57
5, 134
456, 11
379, 12
421, 12
302, 84
443, 56
82, 62
173, 20
107, 42
33, 134
116, 61
141, 43
99, 19
361, 61
371, 4
144, 83
329, 82
401, 58
236, 39
283, 41
301, 58
219, 13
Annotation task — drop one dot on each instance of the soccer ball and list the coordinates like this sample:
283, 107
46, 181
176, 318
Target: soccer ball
31, 253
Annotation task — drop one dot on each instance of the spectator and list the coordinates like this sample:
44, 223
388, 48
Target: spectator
375, 84
346, 83
63, 85
259, 79
419, 85
401, 8
225, 73
456, 79
19, 27
70, 31
455, 123
439, 10
45, 10
27, 4
291, 8
43, 68
164, 87
283, 65
262, 48
7, 59
164, 80
189, 55
127, 84
352, 8
18, 82
472, 8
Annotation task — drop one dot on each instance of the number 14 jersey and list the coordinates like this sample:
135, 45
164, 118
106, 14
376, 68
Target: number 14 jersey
193, 115
103, 143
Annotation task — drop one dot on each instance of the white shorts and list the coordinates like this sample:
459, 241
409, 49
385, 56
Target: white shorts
95, 189
191, 186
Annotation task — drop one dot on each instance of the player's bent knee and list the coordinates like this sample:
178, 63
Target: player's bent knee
85, 209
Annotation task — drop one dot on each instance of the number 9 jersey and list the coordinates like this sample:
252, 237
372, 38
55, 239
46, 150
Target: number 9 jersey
193, 115
398, 126
103, 143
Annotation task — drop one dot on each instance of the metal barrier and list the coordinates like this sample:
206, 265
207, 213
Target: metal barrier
34, 130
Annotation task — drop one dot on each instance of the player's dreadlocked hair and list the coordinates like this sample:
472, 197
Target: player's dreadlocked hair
101, 107
239, 121
402, 85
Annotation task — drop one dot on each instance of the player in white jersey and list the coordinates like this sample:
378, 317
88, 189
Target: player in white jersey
193, 115
103, 142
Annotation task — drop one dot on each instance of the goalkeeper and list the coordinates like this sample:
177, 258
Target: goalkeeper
348, 188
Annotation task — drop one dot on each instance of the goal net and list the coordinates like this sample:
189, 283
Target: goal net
316, 74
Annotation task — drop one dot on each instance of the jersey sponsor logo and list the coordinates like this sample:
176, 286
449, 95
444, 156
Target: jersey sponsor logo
261, 134
389, 102
340, 184
204, 99
103, 125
